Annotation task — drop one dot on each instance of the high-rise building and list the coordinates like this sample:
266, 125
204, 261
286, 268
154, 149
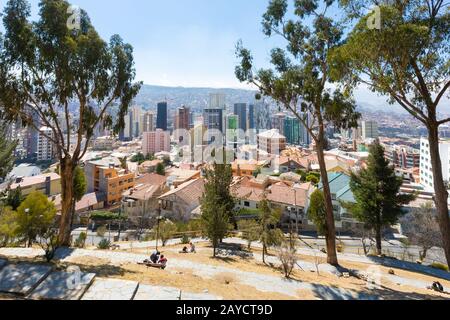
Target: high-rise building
240, 109
217, 101
278, 122
295, 130
426, 168
368, 130
161, 121
182, 119
251, 116
232, 131
213, 119
148, 122
262, 117
155, 141
136, 121
45, 145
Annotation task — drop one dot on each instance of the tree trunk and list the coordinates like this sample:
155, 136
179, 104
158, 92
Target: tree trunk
440, 190
378, 240
264, 254
67, 175
331, 230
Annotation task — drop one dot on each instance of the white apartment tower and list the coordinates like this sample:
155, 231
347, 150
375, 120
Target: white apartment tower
426, 174
45, 145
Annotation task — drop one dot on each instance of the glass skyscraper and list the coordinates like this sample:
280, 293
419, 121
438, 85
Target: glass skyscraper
161, 118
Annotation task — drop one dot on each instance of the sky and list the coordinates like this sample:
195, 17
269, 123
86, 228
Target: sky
188, 43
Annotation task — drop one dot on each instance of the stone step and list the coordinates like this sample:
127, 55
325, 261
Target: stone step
111, 289
22, 278
2, 263
61, 285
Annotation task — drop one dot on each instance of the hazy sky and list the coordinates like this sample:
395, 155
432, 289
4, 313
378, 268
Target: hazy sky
187, 42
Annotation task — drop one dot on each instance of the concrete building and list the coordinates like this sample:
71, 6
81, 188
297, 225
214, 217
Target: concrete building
368, 130
240, 110
182, 118
271, 142
217, 101
156, 141
106, 176
49, 184
148, 122
45, 150
426, 173
278, 122
402, 156
213, 121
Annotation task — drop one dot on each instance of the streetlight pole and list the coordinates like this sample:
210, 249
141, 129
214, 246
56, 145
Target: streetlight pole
157, 223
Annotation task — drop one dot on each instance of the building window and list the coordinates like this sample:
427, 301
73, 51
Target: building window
247, 204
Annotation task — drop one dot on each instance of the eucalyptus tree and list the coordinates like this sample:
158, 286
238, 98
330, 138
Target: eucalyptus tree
58, 68
300, 77
401, 49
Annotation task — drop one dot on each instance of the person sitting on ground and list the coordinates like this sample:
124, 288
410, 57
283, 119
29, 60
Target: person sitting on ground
192, 250
162, 261
155, 257
185, 250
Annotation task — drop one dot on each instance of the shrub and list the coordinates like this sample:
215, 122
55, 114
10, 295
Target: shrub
440, 266
81, 240
104, 244
185, 239
101, 231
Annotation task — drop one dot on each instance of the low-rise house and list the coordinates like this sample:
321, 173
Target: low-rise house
179, 203
142, 200
90, 202
149, 166
176, 177
49, 184
23, 170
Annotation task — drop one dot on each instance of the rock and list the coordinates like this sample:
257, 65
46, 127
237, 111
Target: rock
392, 272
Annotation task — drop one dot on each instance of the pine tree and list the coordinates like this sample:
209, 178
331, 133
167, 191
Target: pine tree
377, 193
6, 153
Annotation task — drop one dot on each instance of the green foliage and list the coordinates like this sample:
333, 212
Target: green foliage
377, 193
48, 241
104, 244
161, 169
8, 226
6, 151
317, 213
14, 198
79, 183
251, 231
217, 203
80, 242
439, 266
45, 67
35, 216
268, 219
106, 216
313, 177
141, 158
300, 75
185, 239
302, 174
167, 229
